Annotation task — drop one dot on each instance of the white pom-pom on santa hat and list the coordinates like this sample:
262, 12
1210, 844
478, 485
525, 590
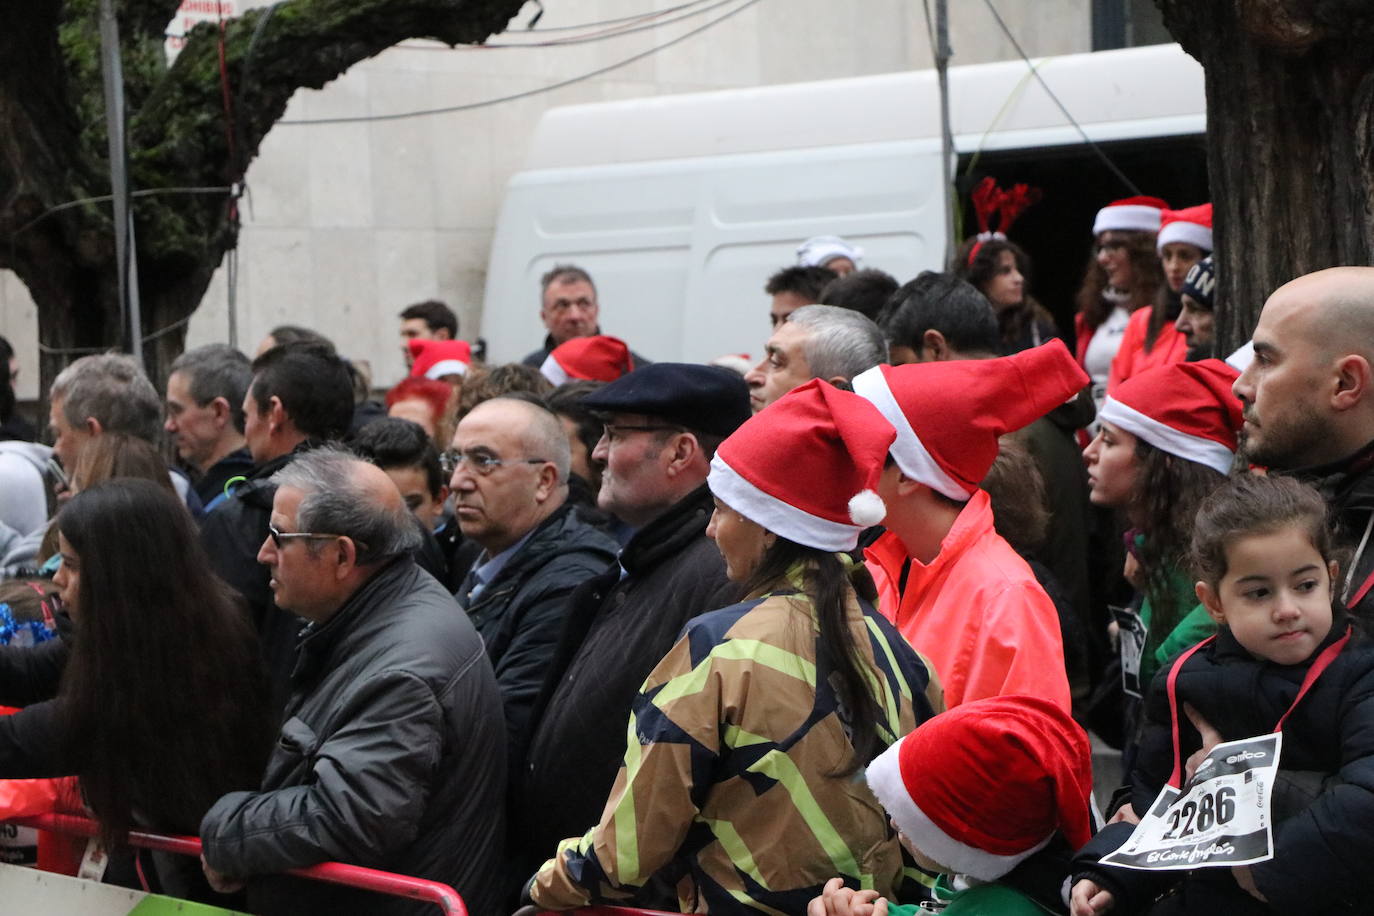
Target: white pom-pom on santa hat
866, 508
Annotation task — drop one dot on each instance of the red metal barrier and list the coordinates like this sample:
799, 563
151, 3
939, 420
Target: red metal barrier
370, 879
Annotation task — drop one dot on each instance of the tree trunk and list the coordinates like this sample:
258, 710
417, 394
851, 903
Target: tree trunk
54, 147
1290, 110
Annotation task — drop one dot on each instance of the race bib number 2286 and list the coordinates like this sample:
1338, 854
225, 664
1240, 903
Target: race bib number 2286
1219, 817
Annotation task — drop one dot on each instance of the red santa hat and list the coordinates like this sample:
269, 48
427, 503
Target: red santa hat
598, 358
769, 468
1192, 225
1185, 409
949, 415
1130, 214
987, 784
438, 358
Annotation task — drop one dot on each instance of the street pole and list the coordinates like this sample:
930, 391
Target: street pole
942, 55
126, 259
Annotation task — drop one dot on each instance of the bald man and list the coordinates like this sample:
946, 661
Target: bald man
391, 752
510, 489
1309, 404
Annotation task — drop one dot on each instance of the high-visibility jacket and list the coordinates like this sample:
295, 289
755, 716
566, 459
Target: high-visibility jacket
976, 612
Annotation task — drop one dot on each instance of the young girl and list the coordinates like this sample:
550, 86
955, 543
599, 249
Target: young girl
1262, 547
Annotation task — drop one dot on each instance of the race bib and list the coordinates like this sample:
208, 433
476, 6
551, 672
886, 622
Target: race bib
1219, 817
1131, 633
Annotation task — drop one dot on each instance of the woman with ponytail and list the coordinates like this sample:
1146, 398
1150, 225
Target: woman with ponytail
740, 785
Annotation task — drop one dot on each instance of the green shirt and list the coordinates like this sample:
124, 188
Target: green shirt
1161, 648
983, 900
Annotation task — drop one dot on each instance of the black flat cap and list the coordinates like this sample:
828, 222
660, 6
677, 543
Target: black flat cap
704, 399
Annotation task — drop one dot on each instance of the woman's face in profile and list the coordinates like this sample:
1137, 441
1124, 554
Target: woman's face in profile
68, 576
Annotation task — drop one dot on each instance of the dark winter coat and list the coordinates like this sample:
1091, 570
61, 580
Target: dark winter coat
391, 756
1348, 487
31, 742
1322, 851
617, 630
232, 534
520, 613
210, 485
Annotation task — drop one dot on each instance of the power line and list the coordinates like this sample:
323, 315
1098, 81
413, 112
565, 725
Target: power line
605, 35
532, 92
106, 198
1054, 98
637, 17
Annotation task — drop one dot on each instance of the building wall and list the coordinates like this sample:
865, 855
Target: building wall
349, 223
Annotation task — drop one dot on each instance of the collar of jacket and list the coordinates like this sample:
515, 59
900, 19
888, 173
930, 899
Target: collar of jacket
1347, 483
550, 537
973, 522
667, 535
317, 640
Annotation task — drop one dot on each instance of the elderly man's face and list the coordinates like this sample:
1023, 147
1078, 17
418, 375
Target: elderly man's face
1282, 389
304, 579
782, 368
634, 452
195, 430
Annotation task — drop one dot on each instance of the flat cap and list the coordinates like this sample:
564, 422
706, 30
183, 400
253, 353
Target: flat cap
704, 399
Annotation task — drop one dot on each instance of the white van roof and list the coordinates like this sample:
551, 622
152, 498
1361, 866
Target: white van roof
1161, 81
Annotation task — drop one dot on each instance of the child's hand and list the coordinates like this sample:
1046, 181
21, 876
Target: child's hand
1210, 739
1124, 813
838, 900
1087, 899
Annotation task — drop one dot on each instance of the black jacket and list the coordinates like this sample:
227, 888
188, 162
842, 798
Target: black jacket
520, 613
391, 756
31, 742
1322, 852
210, 485
617, 630
232, 533
1348, 486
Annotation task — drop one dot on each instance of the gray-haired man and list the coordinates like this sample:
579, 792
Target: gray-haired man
391, 753
815, 341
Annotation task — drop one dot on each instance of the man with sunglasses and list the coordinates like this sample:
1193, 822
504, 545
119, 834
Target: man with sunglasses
662, 425
390, 753
510, 461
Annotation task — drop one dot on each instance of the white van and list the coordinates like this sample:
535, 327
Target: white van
682, 206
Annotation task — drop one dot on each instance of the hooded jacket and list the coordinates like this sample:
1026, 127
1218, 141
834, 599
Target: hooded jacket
520, 613
391, 756
976, 612
619, 625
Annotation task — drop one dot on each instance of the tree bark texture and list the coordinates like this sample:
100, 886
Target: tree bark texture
1290, 141
54, 144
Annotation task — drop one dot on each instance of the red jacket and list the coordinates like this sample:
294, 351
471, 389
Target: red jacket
1132, 358
976, 612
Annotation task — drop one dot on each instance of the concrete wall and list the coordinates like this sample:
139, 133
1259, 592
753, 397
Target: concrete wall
349, 223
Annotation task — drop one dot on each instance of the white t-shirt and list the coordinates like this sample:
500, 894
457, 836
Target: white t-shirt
1102, 350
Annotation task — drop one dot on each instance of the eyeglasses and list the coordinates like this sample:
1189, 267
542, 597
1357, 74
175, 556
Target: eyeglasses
481, 462
278, 537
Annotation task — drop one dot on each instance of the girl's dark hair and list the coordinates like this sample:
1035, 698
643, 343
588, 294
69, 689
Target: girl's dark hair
828, 584
1149, 277
1168, 491
164, 699
1249, 505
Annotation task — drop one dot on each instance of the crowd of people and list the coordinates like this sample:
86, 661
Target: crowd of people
820, 635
